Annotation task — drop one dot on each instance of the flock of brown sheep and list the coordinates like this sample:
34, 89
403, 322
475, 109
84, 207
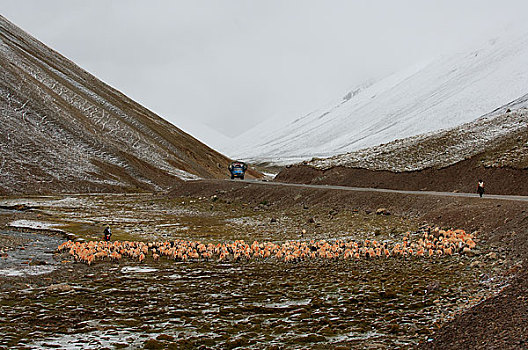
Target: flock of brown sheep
431, 243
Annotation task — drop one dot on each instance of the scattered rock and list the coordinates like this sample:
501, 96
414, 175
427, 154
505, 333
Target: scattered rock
165, 337
153, 344
59, 288
471, 252
382, 211
38, 263
432, 287
491, 255
236, 343
384, 294
394, 328
475, 264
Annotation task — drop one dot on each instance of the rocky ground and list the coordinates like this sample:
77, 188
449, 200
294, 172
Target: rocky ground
503, 225
228, 210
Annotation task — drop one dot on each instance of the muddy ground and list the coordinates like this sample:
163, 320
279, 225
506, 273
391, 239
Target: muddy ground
400, 303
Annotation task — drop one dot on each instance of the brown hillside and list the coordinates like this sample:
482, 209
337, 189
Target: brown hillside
63, 130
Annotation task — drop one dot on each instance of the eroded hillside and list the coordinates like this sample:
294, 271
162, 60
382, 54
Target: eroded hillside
63, 130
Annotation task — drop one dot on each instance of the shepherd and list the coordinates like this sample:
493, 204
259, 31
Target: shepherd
107, 233
480, 188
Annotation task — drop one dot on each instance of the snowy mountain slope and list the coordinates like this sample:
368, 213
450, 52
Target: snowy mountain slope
63, 130
500, 137
443, 93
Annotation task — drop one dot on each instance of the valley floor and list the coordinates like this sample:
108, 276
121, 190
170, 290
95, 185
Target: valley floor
466, 301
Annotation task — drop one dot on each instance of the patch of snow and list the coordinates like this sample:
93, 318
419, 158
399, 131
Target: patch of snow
184, 175
133, 219
168, 225
138, 269
11, 272
270, 175
27, 271
91, 340
34, 225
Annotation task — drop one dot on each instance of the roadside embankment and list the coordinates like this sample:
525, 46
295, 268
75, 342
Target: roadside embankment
461, 177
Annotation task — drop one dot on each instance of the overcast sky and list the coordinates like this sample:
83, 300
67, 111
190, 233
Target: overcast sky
231, 63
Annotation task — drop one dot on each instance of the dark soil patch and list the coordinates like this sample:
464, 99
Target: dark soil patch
500, 322
461, 177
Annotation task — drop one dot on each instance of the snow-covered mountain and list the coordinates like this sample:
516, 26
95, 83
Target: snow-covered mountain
442, 93
63, 130
498, 138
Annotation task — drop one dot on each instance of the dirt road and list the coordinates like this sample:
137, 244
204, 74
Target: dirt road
382, 190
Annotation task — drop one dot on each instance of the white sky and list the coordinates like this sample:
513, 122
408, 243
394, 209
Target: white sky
232, 63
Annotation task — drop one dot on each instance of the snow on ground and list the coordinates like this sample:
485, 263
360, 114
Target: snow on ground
26, 271
35, 257
97, 339
34, 225
443, 93
138, 269
270, 175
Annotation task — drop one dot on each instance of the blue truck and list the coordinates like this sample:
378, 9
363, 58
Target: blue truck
237, 169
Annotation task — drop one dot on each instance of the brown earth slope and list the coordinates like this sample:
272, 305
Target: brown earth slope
500, 322
63, 130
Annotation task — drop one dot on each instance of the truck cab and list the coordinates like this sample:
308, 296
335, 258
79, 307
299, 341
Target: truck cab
237, 169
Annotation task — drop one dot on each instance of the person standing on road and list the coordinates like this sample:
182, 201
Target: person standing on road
480, 188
